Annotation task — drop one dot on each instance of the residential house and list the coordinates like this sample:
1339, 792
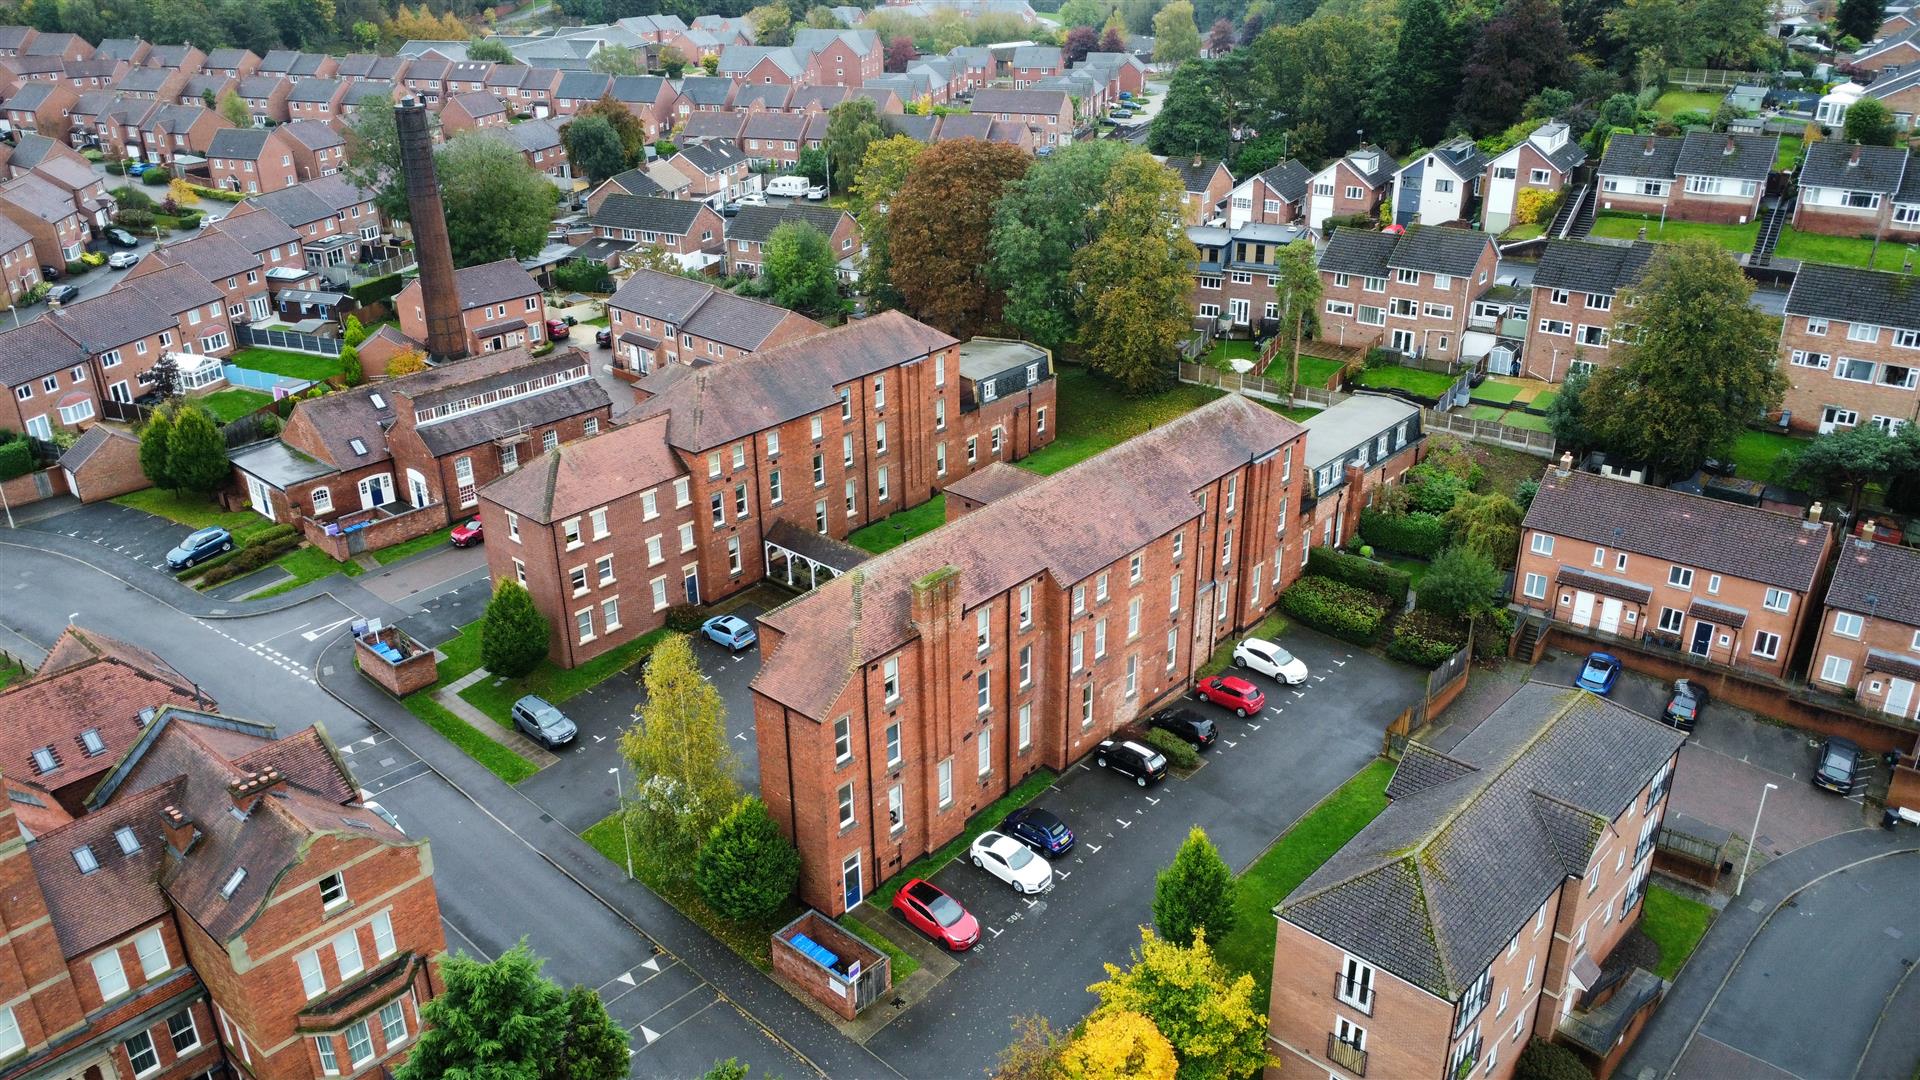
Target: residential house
332, 217
1715, 581
1571, 325
578, 89
49, 380
760, 64
266, 97
223, 262
769, 97
198, 87
1277, 196
839, 57
773, 139
1440, 186
1048, 114
539, 142
703, 93
364, 94
501, 306
72, 174
631, 182
716, 127
473, 111
975, 65
1355, 449
1544, 161
1513, 863
1858, 191
1237, 275
1030, 63
648, 97
47, 213
1123, 71
1701, 176
93, 74
252, 159
749, 231
180, 57
1410, 293
1868, 645
133, 50
679, 227
1890, 55
167, 131
1850, 348
15, 38
426, 79
99, 120
318, 149
151, 84
1068, 608
363, 67
468, 77
19, 266
41, 108
1350, 186
660, 319
1207, 184
58, 46
233, 63
318, 99
716, 172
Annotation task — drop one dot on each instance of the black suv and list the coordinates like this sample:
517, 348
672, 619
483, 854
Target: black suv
1187, 725
1838, 769
1128, 758
1684, 705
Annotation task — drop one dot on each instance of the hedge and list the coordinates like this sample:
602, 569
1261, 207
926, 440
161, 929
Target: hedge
1336, 608
1361, 573
684, 618
1418, 534
16, 459
1425, 640
1180, 753
262, 550
218, 194
156, 178
377, 289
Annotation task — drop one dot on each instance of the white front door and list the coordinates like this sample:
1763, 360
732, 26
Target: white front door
257, 309
1583, 609
417, 486
1899, 698
260, 498
1609, 616
375, 491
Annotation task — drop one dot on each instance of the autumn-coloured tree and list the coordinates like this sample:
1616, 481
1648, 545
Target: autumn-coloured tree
406, 363
1220, 38
1207, 1014
877, 179
1134, 282
940, 224
1080, 41
633, 134
900, 53
1119, 1045
1112, 40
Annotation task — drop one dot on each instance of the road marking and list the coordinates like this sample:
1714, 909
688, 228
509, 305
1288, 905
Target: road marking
649, 1034
1319, 678
1095, 848
1153, 800
625, 977
742, 736
1084, 766
317, 633
995, 931
651, 963
1299, 693
1230, 742
1340, 663
1253, 727
1064, 874
1124, 823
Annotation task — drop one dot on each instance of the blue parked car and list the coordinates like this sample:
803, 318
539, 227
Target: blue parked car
200, 546
731, 631
1046, 834
138, 168
1599, 674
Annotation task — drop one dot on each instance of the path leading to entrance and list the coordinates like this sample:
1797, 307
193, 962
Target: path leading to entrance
450, 700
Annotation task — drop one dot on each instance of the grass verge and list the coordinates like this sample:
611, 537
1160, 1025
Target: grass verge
927, 865
902, 962
751, 940
289, 364
1094, 416
412, 547
556, 684
1841, 250
1735, 238
1270, 628
194, 512
307, 564
896, 529
1291, 860
230, 405
1676, 924
497, 759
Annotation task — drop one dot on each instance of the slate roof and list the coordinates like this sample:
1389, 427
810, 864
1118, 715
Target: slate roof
1569, 153
262, 86
1068, 525
492, 283
118, 48
1645, 157
302, 204
1689, 530
1739, 157
1357, 251
1592, 268
531, 135
36, 349
584, 85
775, 126
1830, 163
1290, 179
226, 59
211, 254
755, 224
773, 96
633, 182
1439, 250
644, 89
1882, 580
1855, 295
30, 150
740, 59
12, 235
1194, 173
1041, 102
698, 308
521, 414
1382, 163
313, 134
255, 232
1035, 56
31, 95
577, 476
241, 143
1436, 885
1461, 156
706, 89
918, 128
714, 125
478, 103
143, 80
711, 157
647, 212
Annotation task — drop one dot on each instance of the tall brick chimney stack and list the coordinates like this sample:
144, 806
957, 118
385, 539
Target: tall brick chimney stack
446, 337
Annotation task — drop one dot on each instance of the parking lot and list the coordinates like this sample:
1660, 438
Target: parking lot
132, 534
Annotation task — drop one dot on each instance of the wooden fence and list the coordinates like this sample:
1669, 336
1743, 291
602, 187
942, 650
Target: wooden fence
1254, 386
1539, 443
1709, 79
287, 340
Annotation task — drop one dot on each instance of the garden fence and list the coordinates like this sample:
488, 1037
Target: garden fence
265, 381
287, 340
1709, 79
1539, 443
1254, 386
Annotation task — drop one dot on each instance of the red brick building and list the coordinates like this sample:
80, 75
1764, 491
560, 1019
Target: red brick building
679, 227
898, 699
472, 112
1699, 176
318, 149
1571, 311
1869, 636
1048, 114
1354, 184
252, 160
1354, 450
1410, 293
1544, 161
501, 306
1481, 908
1851, 190
1850, 348
749, 231
19, 267
1275, 197
660, 320
1719, 582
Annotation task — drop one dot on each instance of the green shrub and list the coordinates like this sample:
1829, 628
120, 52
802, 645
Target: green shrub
1361, 573
115, 168
1493, 632
377, 289
156, 178
513, 633
1418, 534
76, 268
218, 194
1542, 1060
134, 219
747, 869
1424, 639
16, 459
252, 557
131, 198
583, 275
1336, 608
684, 619
1180, 753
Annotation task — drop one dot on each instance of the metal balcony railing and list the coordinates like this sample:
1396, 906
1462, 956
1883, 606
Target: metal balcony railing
1346, 1055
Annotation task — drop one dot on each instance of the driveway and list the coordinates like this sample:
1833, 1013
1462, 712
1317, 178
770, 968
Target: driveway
1039, 954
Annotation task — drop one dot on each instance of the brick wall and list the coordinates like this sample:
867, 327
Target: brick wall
24, 490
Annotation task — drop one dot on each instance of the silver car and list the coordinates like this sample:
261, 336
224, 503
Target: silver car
540, 721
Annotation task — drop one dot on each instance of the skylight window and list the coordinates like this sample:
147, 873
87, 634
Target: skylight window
128, 842
358, 446
378, 401
91, 739
233, 883
83, 857
44, 760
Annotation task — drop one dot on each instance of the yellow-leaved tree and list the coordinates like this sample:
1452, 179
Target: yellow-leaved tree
1119, 1045
1211, 1020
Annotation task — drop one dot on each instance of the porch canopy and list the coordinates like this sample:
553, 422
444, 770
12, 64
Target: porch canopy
804, 559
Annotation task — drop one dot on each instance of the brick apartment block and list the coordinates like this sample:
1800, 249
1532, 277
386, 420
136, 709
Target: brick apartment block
1355, 449
1869, 636
1484, 903
1353, 184
733, 471
1275, 197
1410, 293
898, 699
1237, 274
1699, 176
749, 231
501, 306
662, 320
1571, 324
1544, 161
219, 902
1720, 582
1850, 348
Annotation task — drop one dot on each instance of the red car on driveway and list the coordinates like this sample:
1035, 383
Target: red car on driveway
557, 329
928, 909
467, 534
1231, 692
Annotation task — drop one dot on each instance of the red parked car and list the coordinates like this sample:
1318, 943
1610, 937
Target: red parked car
1230, 692
557, 329
928, 909
467, 535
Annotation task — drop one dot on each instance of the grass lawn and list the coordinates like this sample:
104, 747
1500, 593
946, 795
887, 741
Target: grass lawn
556, 684
1290, 861
308, 564
1756, 453
417, 544
1525, 421
1430, 384
1415, 568
927, 865
1677, 101
1505, 467
1495, 392
1735, 238
11, 673
1295, 413
752, 940
1317, 372
232, 404
1094, 416
1489, 413
899, 959
290, 364
1787, 158
1843, 250
896, 529
1525, 232
1676, 924
194, 512
1224, 351
497, 759
1544, 400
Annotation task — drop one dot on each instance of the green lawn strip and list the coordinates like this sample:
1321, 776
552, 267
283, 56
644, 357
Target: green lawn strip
1544, 400
232, 404
460, 655
1525, 232
1415, 568
902, 961
1094, 416
1787, 158
11, 673
555, 683
896, 529
497, 759
598, 320
195, 512
1525, 421
1495, 392
927, 865
1491, 413
289, 364
1842, 250
1676, 924
1295, 413
1678, 101
1756, 453
1414, 381
1620, 226
1224, 351
1318, 371
1270, 628
307, 564
414, 546
751, 940
1290, 861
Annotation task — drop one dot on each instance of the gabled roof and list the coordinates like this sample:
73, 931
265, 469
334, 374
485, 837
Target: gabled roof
578, 476
711, 157
1459, 156
584, 85
1470, 847
1289, 179
1041, 102
36, 349
772, 96
212, 255
478, 103
1195, 172
741, 59
1857, 295
774, 125
256, 232
1437, 249
311, 201
1644, 157
1587, 267
698, 308
714, 125
1831, 163
647, 212
493, 283
313, 134
244, 144
1881, 580
262, 86
1035, 56
638, 89
1737, 157
1357, 251
755, 224
1687, 530
39, 196
706, 89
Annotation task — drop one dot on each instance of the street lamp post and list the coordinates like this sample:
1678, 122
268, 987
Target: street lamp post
1752, 838
627, 835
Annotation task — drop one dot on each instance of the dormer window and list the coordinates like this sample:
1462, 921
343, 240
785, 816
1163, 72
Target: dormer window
232, 884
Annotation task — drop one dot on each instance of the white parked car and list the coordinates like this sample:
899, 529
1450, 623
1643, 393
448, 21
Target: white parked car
120, 260
1266, 658
1012, 862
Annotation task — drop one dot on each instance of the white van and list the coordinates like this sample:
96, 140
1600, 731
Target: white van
790, 187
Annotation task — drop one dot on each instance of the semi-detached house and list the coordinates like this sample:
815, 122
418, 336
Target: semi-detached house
1869, 638
1701, 176
1860, 191
1048, 114
661, 320
501, 307
1850, 348
1410, 293
749, 231
1574, 288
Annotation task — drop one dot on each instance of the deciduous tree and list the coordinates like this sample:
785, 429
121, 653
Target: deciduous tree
1087, 14
1034, 1053
1193, 116
1318, 72
1078, 42
747, 868
1857, 19
682, 769
234, 108
1461, 583
513, 633
1209, 1017
1220, 38
900, 52
1044, 218
593, 148
490, 50
1869, 123
772, 24
498, 206
373, 159
1119, 1045
876, 181
1134, 282
1846, 463
410, 362
852, 127
1521, 51
622, 60
1176, 39
800, 270
1194, 892
1113, 39
633, 133
1488, 524
196, 452
1697, 368
673, 62
941, 220
1298, 293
